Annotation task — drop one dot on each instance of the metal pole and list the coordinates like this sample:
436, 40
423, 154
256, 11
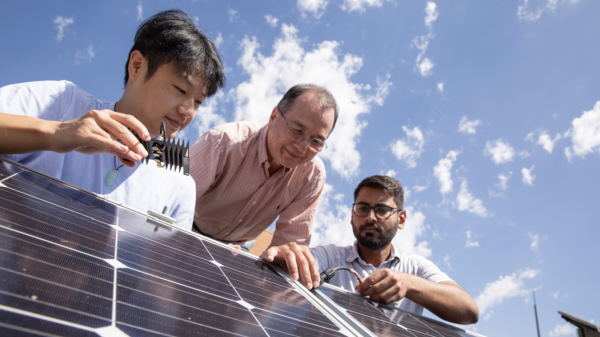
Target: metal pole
537, 323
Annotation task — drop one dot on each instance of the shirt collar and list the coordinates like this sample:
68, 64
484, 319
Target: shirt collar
354, 254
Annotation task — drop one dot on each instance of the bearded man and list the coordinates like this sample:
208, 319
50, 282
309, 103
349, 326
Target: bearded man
408, 281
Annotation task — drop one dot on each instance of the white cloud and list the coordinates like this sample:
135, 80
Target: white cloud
503, 180
360, 5
140, 10
524, 154
410, 148
535, 241
61, 24
406, 239
467, 202
468, 127
544, 139
500, 151
271, 76
219, 40
442, 171
447, 260
527, 176
425, 65
470, 243
332, 223
418, 188
207, 116
440, 86
585, 133
316, 7
390, 173
524, 13
507, 286
88, 55
271, 20
566, 329
232, 15
555, 295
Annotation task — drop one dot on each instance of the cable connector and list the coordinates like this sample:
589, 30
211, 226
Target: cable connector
329, 273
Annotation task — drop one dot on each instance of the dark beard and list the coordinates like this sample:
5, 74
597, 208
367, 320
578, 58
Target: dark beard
370, 241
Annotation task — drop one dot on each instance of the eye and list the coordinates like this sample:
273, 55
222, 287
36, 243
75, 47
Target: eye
298, 132
179, 89
198, 102
362, 208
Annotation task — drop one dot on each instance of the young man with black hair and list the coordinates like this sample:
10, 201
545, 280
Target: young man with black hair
410, 282
58, 129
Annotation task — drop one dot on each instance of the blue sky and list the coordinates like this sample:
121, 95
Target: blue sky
488, 112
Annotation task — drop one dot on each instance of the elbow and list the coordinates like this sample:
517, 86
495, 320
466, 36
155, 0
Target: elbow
471, 315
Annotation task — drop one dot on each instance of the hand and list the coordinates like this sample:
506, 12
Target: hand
385, 286
233, 252
297, 261
93, 133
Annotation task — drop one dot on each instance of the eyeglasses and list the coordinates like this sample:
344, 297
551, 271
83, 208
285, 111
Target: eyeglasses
381, 211
298, 135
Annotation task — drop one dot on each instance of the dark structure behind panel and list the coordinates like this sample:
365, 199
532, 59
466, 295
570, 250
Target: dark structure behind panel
585, 329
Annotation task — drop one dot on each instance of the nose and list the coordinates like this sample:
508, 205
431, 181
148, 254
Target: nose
373, 217
302, 145
187, 109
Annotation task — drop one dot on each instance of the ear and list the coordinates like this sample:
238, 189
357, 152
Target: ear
274, 114
137, 66
401, 219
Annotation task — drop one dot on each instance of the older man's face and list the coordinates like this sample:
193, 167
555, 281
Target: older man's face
306, 115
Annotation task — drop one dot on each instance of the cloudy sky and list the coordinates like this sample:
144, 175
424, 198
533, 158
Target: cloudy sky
488, 113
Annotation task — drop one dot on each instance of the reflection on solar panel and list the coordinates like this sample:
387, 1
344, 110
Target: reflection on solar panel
74, 264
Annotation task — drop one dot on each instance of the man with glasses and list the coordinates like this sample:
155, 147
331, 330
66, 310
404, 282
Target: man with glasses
248, 174
388, 276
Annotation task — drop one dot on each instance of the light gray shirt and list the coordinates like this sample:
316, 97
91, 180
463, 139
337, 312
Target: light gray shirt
144, 187
332, 256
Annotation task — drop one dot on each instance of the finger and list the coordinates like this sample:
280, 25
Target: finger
109, 145
314, 268
111, 125
269, 254
290, 261
126, 162
389, 295
368, 282
132, 123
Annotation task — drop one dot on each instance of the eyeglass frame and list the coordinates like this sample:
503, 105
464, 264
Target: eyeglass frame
373, 208
304, 137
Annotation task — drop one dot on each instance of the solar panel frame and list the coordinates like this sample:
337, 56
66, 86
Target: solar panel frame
149, 253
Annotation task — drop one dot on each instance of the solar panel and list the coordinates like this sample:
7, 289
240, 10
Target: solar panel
75, 264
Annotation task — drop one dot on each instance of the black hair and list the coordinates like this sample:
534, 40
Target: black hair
172, 37
326, 99
390, 185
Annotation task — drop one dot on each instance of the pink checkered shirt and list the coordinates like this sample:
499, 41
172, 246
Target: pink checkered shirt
237, 199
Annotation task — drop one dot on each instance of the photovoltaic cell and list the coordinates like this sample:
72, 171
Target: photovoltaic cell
388, 321
73, 264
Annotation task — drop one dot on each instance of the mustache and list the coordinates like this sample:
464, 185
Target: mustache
371, 225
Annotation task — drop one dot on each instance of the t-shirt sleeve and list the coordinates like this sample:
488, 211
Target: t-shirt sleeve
296, 221
48, 100
429, 271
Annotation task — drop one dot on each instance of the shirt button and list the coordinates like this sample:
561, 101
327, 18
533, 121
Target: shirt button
226, 233
254, 202
240, 220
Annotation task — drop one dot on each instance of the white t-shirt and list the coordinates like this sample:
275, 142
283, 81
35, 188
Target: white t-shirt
332, 256
144, 187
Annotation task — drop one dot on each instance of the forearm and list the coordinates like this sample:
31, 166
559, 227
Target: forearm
23, 134
446, 300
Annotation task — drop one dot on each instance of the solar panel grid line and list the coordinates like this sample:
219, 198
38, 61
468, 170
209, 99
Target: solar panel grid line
2, 180
40, 317
115, 270
67, 210
311, 295
77, 188
228, 280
